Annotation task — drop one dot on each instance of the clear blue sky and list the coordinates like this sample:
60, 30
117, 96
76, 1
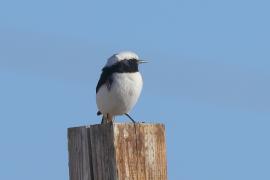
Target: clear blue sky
208, 81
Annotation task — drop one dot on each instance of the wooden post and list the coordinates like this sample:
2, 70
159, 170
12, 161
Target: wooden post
118, 151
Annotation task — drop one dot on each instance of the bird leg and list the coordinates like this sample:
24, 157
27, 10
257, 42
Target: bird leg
106, 119
103, 121
130, 118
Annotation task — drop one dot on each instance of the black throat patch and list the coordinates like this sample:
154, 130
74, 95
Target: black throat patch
124, 66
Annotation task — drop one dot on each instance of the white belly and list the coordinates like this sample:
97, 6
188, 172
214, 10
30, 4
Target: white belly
123, 95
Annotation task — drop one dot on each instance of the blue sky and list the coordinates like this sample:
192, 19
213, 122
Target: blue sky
207, 81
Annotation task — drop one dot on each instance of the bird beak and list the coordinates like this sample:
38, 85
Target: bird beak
142, 61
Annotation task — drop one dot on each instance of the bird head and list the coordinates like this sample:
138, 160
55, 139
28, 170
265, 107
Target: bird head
122, 56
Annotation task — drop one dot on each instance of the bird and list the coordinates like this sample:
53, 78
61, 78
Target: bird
119, 86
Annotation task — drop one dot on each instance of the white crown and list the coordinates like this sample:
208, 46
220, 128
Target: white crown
121, 56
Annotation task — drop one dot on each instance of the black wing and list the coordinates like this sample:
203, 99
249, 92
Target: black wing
105, 78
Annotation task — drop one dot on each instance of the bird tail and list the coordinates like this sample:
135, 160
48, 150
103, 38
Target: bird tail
99, 113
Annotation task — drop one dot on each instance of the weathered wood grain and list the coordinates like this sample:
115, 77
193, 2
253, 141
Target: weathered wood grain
119, 151
79, 154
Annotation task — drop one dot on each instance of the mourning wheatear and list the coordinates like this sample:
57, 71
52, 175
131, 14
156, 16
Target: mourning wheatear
119, 86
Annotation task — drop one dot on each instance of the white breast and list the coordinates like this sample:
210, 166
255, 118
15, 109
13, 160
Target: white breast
123, 95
